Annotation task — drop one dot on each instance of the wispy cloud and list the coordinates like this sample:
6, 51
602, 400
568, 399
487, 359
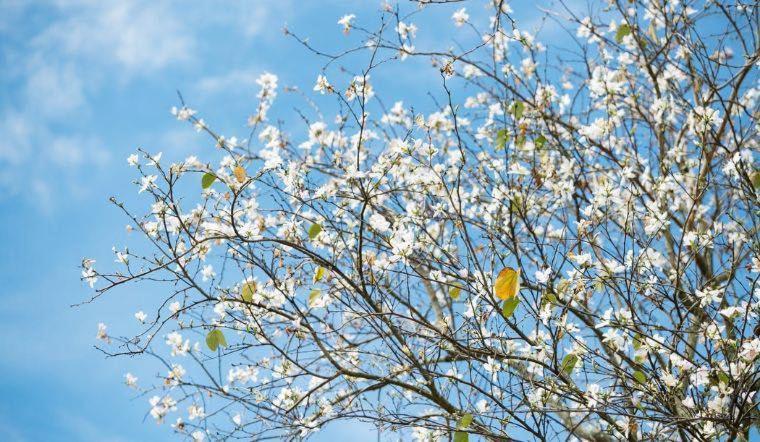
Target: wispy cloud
137, 36
71, 55
81, 48
236, 78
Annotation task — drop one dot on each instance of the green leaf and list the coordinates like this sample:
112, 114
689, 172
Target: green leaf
461, 436
622, 31
314, 230
455, 291
568, 364
249, 288
518, 109
548, 297
319, 274
640, 377
636, 341
723, 378
465, 421
756, 179
215, 339
313, 295
509, 306
502, 138
207, 180
514, 204
540, 141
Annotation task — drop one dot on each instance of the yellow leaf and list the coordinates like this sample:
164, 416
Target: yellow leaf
319, 273
240, 174
455, 291
507, 283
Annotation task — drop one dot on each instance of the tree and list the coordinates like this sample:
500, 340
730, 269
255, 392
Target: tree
564, 246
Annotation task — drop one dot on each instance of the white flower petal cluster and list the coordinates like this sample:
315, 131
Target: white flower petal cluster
345, 262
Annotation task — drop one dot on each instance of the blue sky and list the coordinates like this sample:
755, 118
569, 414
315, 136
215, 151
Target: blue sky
83, 84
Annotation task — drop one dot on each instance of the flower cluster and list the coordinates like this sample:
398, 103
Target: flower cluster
353, 270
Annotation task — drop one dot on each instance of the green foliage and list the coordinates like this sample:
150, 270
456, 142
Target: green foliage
454, 292
568, 364
548, 297
215, 339
636, 341
463, 424
509, 306
465, 421
540, 141
249, 288
207, 180
518, 109
622, 31
313, 295
502, 138
640, 377
723, 377
314, 230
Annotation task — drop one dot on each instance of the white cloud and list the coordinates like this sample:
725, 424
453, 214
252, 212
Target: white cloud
232, 80
253, 21
84, 48
15, 138
136, 36
53, 91
76, 53
181, 141
42, 195
74, 151
37, 163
